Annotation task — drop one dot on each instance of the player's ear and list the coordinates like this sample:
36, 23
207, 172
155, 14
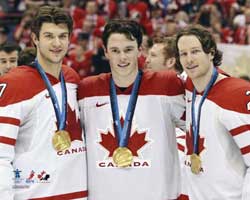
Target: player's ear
105, 51
34, 38
170, 63
211, 54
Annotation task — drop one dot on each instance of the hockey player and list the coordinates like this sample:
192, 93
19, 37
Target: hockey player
161, 56
8, 56
42, 154
129, 118
218, 115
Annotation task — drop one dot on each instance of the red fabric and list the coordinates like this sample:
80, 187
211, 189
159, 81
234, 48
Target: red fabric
141, 62
112, 9
140, 8
74, 195
239, 130
88, 86
83, 68
6, 140
183, 197
100, 21
240, 35
10, 120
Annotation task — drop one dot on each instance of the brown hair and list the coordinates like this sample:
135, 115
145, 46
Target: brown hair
170, 49
206, 39
51, 14
131, 29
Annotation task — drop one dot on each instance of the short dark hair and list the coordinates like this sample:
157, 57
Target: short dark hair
9, 47
131, 29
206, 39
51, 14
27, 56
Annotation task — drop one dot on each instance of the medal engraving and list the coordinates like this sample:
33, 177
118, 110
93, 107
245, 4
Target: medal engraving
122, 157
195, 163
61, 140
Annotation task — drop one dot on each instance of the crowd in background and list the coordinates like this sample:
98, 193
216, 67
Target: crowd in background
228, 20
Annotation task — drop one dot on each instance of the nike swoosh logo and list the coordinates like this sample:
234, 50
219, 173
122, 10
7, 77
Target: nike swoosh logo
47, 96
101, 104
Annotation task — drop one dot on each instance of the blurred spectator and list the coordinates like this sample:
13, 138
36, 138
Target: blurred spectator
27, 56
100, 62
122, 9
242, 26
139, 12
80, 58
170, 25
157, 20
162, 55
91, 19
4, 31
107, 8
23, 31
207, 15
182, 19
8, 56
31, 4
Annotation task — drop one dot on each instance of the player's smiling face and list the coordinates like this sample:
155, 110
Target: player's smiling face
122, 54
193, 59
53, 42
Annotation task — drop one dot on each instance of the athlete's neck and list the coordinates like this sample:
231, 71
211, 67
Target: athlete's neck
201, 83
49, 67
124, 80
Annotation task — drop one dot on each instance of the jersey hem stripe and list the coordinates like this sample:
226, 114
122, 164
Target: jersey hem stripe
239, 130
6, 140
245, 150
10, 120
68, 196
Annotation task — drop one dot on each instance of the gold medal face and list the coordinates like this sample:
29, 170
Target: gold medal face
61, 140
195, 163
122, 157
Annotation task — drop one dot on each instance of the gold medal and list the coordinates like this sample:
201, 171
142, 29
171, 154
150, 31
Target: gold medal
122, 157
195, 163
61, 140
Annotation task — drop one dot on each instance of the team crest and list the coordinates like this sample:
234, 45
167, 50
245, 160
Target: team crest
138, 141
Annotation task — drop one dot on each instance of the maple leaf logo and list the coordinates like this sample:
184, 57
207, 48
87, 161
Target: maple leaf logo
110, 142
189, 142
73, 125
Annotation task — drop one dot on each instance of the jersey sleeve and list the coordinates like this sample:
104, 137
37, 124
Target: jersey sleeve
236, 119
177, 102
235, 116
10, 117
81, 96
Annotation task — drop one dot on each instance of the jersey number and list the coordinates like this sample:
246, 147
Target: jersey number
248, 104
2, 88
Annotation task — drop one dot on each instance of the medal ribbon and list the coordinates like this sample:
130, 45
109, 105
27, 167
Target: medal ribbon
61, 114
123, 133
196, 123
